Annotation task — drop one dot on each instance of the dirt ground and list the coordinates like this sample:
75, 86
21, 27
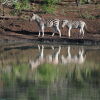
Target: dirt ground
18, 28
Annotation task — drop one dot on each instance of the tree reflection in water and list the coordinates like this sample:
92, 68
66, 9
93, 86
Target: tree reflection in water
53, 75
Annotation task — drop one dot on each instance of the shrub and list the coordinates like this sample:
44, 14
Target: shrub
84, 1
49, 8
51, 2
22, 5
86, 15
15, 12
47, 72
19, 6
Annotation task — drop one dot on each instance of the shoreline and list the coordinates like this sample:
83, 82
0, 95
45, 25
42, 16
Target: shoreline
54, 41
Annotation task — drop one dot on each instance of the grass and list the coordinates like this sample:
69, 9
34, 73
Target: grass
87, 15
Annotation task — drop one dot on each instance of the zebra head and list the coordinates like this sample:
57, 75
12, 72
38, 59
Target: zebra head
64, 22
33, 17
36, 18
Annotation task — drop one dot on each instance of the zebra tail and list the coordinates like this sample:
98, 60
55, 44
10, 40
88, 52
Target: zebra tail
86, 28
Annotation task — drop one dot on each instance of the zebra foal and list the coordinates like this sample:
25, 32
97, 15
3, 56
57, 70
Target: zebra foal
42, 23
74, 24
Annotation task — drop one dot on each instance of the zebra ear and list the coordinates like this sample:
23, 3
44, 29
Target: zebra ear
33, 14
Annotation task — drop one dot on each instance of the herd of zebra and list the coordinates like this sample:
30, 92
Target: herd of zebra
55, 25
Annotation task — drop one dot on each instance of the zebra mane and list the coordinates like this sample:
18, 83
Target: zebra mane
40, 17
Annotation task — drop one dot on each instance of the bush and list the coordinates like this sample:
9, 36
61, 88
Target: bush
22, 5
15, 12
47, 72
19, 6
49, 8
84, 1
86, 15
51, 2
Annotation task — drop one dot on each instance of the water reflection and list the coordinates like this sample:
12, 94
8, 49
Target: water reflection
46, 72
77, 58
55, 57
48, 58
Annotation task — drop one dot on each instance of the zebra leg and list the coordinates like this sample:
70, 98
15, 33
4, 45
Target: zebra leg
53, 34
39, 34
80, 31
83, 32
69, 32
54, 31
52, 47
42, 31
39, 47
58, 31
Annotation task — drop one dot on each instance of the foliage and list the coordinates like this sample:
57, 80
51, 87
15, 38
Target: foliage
23, 5
84, 1
47, 72
15, 12
20, 70
19, 6
51, 2
49, 8
86, 15
50, 73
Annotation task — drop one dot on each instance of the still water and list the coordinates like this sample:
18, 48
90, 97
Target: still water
48, 72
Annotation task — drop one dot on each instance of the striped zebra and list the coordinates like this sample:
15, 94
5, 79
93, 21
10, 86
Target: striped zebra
74, 24
42, 23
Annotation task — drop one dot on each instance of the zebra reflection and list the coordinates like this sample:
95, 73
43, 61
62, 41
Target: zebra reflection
78, 59
49, 58
35, 63
54, 57
68, 58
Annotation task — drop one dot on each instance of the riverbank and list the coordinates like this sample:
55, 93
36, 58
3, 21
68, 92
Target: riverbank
20, 29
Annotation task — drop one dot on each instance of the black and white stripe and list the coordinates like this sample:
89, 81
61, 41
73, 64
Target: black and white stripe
42, 23
74, 24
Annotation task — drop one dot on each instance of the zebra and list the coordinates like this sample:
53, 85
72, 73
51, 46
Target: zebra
42, 23
74, 24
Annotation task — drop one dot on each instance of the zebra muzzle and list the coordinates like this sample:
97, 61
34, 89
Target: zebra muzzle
62, 27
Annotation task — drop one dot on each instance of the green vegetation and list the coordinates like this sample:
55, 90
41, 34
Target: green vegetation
18, 81
50, 72
20, 71
50, 6
22, 5
51, 2
19, 6
49, 79
86, 15
84, 1
47, 72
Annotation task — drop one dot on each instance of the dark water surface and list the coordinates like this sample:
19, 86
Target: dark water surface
47, 72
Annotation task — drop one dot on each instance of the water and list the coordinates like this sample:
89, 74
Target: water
48, 72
